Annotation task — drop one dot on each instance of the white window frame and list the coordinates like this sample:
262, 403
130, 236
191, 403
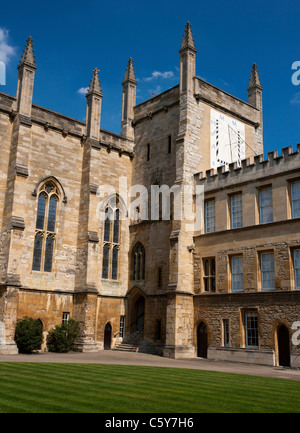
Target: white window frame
252, 317
226, 333
237, 274
236, 211
296, 261
122, 326
65, 317
210, 216
267, 270
265, 204
295, 199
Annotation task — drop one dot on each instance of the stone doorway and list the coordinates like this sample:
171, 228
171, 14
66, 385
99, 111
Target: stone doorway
283, 338
202, 340
137, 315
107, 337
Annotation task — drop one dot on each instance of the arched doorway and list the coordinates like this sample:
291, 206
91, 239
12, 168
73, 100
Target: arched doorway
137, 314
107, 337
283, 337
202, 340
140, 313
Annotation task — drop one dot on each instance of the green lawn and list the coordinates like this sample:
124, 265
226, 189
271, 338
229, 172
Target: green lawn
39, 387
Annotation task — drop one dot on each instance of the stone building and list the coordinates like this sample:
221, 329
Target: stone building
135, 267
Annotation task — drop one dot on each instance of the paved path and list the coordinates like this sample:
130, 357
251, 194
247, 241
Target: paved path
128, 358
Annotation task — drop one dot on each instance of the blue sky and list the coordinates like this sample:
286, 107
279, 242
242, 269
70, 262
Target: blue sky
71, 38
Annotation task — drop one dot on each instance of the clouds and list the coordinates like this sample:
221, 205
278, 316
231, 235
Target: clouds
158, 74
153, 84
82, 90
158, 80
6, 50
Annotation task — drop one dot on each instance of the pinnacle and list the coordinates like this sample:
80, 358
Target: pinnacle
95, 83
129, 74
254, 78
28, 58
188, 40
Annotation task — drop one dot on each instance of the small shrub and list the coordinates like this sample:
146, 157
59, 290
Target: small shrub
29, 334
62, 338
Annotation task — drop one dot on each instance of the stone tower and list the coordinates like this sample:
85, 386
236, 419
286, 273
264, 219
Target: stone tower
93, 107
128, 102
179, 336
255, 99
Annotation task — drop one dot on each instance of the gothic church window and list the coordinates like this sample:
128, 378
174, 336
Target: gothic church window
138, 262
111, 239
45, 228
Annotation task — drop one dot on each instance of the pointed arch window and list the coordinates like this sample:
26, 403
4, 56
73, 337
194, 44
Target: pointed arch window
138, 262
111, 241
45, 228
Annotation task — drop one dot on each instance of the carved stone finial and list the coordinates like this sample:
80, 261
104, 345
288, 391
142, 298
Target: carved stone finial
188, 40
130, 74
28, 58
254, 78
95, 84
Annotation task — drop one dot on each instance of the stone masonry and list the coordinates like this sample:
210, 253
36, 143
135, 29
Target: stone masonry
163, 282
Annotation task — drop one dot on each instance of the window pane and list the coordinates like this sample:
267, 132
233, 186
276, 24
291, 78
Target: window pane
212, 267
37, 253
134, 266
265, 206
143, 264
296, 199
122, 326
138, 261
297, 268
105, 262
138, 273
210, 216
267, 271
236, 211
237, 277
206, 284
251, 329
65, 317
226, 332
108, 214
206, 268
49, 254
41, 212
52, 214
48, 188
116, 226
115, 256
213, 284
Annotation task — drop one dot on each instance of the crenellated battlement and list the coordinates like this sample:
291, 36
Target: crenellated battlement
251, 168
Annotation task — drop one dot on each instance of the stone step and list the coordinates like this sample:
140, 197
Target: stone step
126, 347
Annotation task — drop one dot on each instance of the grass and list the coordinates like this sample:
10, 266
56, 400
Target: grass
87, 388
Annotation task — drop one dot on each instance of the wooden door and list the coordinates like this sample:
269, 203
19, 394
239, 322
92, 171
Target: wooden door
283, 346
107, 337
202, 340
